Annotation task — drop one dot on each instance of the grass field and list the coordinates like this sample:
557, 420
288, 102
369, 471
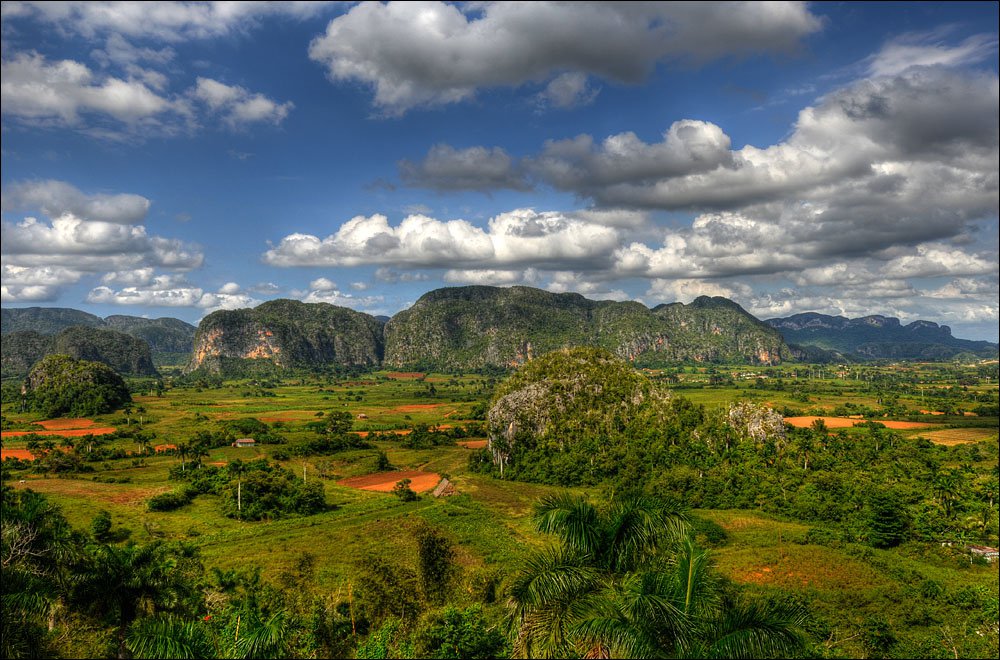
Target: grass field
489, 519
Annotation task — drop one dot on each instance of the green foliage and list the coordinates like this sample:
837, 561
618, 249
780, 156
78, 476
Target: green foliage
172, 500
60, 384
887, 522
100, 526
436, 556
476, 327
403, 491
453, 633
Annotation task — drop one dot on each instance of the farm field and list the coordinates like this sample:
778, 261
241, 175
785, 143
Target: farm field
845, 584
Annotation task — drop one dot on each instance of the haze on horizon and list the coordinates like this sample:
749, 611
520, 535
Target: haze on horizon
172, 159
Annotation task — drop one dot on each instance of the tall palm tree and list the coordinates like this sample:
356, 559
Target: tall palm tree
625, 581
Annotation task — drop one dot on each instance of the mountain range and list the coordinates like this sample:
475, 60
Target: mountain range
466, 328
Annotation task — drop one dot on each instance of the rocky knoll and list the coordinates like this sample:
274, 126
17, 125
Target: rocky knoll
286, 333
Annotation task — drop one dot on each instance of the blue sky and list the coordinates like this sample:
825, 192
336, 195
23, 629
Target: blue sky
171, 159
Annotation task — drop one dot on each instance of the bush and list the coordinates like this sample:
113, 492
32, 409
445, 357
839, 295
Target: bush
175, 499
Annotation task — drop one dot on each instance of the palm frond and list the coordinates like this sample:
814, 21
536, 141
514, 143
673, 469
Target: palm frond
168, 637
265, 639
573, 519
755, 629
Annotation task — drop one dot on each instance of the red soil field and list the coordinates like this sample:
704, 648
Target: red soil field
415, 407
22, 454
364, 434
399, 375
384, 482
63, 424
847, 422
73, 433
474, 444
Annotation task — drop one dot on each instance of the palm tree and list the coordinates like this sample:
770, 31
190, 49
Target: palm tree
124, 582
626, 582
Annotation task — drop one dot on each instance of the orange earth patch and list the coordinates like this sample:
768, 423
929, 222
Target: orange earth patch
21, 454
364, 434
402, 375
63, 424
847, 422
415, 407
384, 482
474, 444
72, 433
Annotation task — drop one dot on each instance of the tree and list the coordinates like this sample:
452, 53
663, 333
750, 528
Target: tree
437, 563
403, 491
122, 583
338, 422
887, 521
100, 526
625, 582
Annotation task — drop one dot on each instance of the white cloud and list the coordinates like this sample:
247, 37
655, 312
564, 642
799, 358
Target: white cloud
519, 237
686, 290
41, 256
568, 90
178, 293
475, 168
56, 198
166, 21
432, 53
491, 277
59, 92
239, 106
930, 49
67, 93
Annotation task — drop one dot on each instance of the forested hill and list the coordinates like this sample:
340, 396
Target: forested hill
286, 333
480, 326
874, 337
33, 332
124, 353
164, 335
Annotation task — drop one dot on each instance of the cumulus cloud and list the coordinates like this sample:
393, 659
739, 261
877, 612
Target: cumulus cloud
56, 198
166, 21
686, 289
85, 234
431, 53
39, 91
237, 105
324, 290
67, 93
491, 277
475, 168
568, 90
519, 237
178, 294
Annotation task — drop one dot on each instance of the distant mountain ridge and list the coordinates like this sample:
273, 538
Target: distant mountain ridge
468, 328
876, 337
30, 333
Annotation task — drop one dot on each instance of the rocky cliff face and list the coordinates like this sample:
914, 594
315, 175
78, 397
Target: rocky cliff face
287, 333
475, 327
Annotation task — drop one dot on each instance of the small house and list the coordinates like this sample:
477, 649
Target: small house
362, 416
245, 442
445, 489
990, 554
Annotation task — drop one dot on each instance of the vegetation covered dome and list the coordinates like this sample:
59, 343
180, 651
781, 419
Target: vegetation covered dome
566, 410
60, 385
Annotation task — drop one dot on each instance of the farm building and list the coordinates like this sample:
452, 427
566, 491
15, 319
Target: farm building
445, 489
245, 442
162, 448
984, 551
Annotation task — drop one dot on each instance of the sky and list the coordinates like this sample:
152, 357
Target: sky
177, 158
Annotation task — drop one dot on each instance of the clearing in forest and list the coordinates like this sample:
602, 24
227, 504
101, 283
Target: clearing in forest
384, 482
848, 422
